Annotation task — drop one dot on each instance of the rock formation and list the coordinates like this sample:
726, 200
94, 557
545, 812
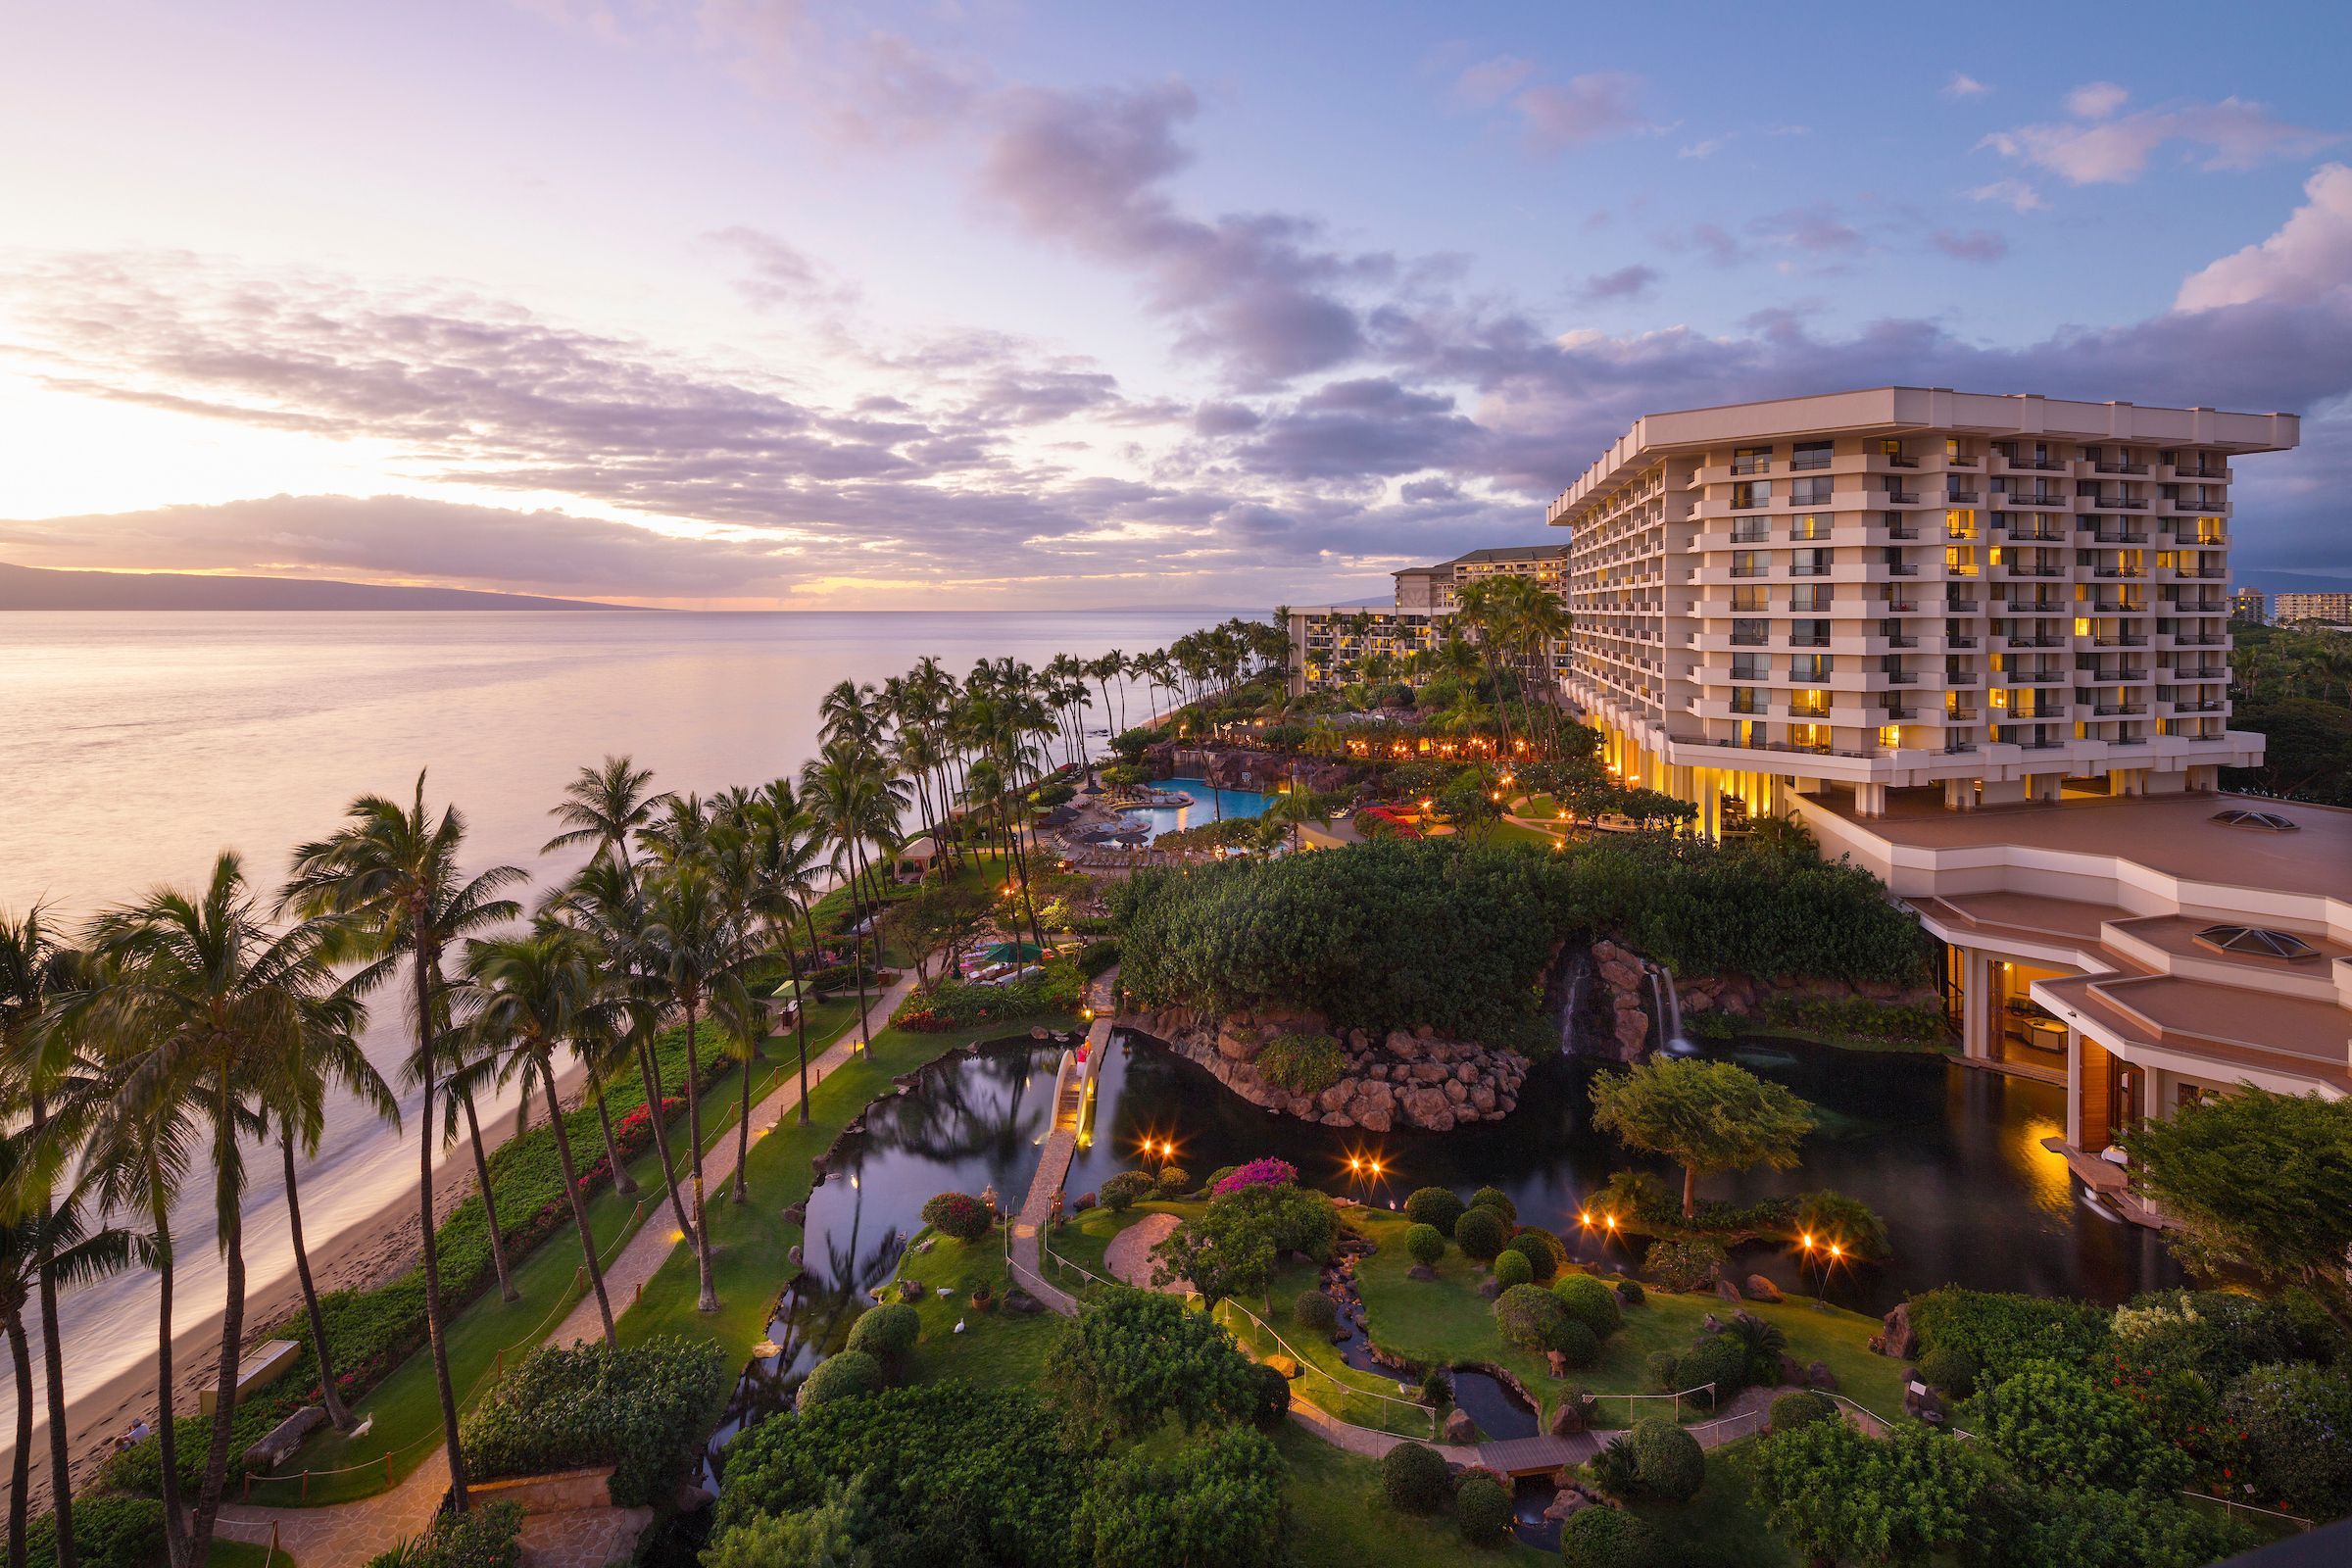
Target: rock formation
1404, 1079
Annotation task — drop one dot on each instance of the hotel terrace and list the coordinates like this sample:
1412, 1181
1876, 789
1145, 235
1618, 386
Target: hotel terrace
1979, 645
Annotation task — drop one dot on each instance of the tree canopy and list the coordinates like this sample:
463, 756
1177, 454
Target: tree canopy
1132, 1359
1839, 1497
1705, 1116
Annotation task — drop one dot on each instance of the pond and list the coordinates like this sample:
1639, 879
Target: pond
1208, 805
1950, 1156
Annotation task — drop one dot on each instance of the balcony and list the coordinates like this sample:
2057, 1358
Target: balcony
1960, 497
1902, 606
1898, 531
2050, 498
1963, 607
1900, 569
1901, 498
1898, 677
2119, 709
1808, 642
1813, 461
1960, 642
2126, 469
1960, 677
2035, 571
2035, 465
1752, 465
1818, 569
2036, 536
2201, 573
2119, 504
1749, 571
2034, 642
1959, 748
1898, 640
1960, 716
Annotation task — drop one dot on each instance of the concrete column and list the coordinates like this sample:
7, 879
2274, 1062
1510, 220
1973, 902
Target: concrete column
2004, 792
2074, 1088
1959, 795
1976, 1004
1870, 800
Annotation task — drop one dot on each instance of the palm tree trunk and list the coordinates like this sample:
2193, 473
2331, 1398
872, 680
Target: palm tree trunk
857, 960
708, 1300
21, 1470
426, 964
166, 1434
481, 1175
650, 1067
329, 1396
579, 1205
743, 1128
53, 1361
801, 1012
622, 1182
232, 1343
1689, 1191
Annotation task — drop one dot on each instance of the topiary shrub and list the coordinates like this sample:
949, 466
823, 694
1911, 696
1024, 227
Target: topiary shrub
1425, 1245
1513, 1269
1606, 1538
1952, 1368
1315, 1311
1414, 1478
1126, 1190
1529, 1317
1578, 1344
1545, 1253
1800, 1407
1685, 1265
1264, 1171
1667, 1460
640, 1408
1434, 1206
1480, 1233
1589, 1302
1482, 1509
1174, 1181
888, 1335
1629, 1293
853, 1374
959, 1216
1496, 1199
1665, 1371
1302, 1064
1719, 1359
1270, 1395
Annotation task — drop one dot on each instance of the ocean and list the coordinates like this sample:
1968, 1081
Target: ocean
134, 748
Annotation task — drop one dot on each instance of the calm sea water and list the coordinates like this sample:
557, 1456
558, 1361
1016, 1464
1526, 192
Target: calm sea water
134, 748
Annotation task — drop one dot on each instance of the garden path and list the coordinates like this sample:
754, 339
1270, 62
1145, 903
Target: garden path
350, 1535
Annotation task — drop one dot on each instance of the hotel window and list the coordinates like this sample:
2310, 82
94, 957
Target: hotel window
1809, 596
1749, 633
1811, 491
1960, 522
1750, 530
1810, 455
1810, 564
1750, 563
1814, 703
1960, 561
1749, 494
1809, 737
1891, 736
2082, 625
1744, 600
1953, 705
1951, 447
1809, 634
1812, 525
1746, 700
1751, 460
1810, 666
1750, 667
2209, 530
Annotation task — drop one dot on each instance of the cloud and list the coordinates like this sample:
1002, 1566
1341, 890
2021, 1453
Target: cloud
2012, 193
1355, 430
1976, 245
1625, 283
1491, 81
2308, 260
2099, 148
1420, 490
1592, 107
1963, 85
781, 277
1707, 148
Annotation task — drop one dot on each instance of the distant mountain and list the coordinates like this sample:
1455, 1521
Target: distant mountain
2290, 582
37, 588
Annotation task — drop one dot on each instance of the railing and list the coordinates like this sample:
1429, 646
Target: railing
2120, 467
1358, 1406
1960, 497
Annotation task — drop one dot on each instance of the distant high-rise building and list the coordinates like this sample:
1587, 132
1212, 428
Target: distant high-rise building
1994, 595
2335, 608
2246, 605
1334, 645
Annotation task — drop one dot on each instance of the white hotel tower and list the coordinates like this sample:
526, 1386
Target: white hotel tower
2006, 598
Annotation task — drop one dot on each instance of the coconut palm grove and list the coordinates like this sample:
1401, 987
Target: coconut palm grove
1254, 1278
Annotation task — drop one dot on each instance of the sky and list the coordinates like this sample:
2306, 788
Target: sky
754, 304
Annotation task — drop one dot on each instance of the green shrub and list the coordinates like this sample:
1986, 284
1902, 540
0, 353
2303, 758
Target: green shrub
1302, 1064
2295, 1419
1496, 1199
1132, 1360
1436, 1207
1685, 1265
1127, 1189
1425, 1245
1216, 1500
1174, 1181
640, 1408
1613, 1469
1952, 1368
108, 1533
1668, 1461
850, 1375
485, 1536
1606, 1538
1665, 1370
1717, 1358
1846, 1221
1799, 1408
1512, 1269
1590, 1301
1271, 1396
1545, 1253
1529, 1317
888, 1333
1577, 1344
2057, 1425
1629, 1293
1479, 1234
1860, 1019
1482, 1509
959, 1216
952, 1003
1097, 956
2003, 1332
1414, 1478
1316, 1313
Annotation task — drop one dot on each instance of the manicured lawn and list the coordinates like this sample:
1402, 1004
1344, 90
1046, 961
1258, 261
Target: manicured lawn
1722, 1527
995, 1346
1339, 1518
1447, 1320
227, 1554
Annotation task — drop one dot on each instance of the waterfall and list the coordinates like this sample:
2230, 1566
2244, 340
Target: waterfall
1666, 1007
1576, 995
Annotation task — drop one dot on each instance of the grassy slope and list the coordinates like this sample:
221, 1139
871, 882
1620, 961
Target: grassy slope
1722, 1527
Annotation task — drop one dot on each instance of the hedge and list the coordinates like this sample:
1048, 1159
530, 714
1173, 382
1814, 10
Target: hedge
640, 1408
108, 1533
960, 1003
486, 1536
2004, 1332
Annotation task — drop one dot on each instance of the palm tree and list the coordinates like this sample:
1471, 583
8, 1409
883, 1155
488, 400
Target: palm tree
690, 965
292, 1087
788, 846
847, 790
736, 881
199, 994
34, 967
604, 807
526, 996
40, 1245
391, 873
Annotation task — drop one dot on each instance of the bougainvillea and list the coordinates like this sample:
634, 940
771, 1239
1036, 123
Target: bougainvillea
1266, 1172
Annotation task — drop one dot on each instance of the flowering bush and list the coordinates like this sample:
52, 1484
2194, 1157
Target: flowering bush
631, 1135
1268, 1172
958, 1216
1386, 823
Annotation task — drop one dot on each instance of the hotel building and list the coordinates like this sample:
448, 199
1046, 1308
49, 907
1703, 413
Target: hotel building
1330, 643
2332, 608
1980, 646
2247, 604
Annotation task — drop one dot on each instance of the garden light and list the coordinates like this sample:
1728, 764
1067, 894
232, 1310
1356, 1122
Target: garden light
1583, 1217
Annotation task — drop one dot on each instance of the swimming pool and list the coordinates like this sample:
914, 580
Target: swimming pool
1208, 805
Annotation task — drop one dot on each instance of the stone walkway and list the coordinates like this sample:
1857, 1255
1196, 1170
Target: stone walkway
349, 1534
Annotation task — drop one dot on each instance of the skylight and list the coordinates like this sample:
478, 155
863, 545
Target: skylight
2258, 941
2261, 821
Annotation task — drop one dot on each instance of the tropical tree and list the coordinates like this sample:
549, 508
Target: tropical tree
690, 965
787, 847
526, 997
390, 875
849, 793
604, 807
198, 993
1705, 1116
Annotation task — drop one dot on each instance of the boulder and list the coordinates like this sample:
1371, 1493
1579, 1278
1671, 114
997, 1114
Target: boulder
1792, 1370
279, 1444
1459, 1428
1336, 1098
1819, 1376
1760, 1289
690, 1498
1711, 1324
1039, 1032
1489, 1287
1403, 1046
1728, 1291
1456, 1092
1019, 1300
1896, 1337
1420, 1271
1482, 1096
1568, 1418
1237, 1047
1428, 1072
1568, 1501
